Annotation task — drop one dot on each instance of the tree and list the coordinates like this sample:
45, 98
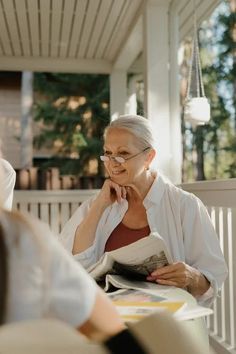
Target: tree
211, 147
74, 111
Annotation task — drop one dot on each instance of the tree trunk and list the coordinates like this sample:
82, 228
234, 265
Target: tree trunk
200, 154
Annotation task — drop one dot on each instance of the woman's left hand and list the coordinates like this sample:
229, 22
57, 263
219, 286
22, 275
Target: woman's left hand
178, 274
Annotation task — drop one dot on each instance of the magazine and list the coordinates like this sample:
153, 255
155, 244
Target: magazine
133, 304
136, 260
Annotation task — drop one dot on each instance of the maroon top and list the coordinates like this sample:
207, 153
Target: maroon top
123, 236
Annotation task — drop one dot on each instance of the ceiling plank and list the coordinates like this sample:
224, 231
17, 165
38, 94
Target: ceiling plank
34, 26
122, 32
4, 35
90, 20
44, 26
88, 66
21, 14
67, 23
77, 27
203, 11
109, 27
132, 48
10, 16
55, 27
99, 27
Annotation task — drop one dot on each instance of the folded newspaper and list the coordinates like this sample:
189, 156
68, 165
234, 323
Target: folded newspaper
135, 261
134, 304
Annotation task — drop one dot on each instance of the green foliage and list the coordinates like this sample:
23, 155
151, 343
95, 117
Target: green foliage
214, 143
73, 111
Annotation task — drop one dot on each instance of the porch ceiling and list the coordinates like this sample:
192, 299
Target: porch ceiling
78, 35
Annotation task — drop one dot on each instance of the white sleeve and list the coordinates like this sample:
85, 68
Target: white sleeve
72, 291
9, 179
67, 235
202, 249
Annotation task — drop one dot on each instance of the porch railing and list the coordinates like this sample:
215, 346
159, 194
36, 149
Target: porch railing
55, 208
220, 199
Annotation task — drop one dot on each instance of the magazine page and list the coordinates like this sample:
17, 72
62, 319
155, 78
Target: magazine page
123, 282
133, 305
136, 260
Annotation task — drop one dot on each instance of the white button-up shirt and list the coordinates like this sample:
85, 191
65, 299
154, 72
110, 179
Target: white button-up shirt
179, 217
43, 280
9, 179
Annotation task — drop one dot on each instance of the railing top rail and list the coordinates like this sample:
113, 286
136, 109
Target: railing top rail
53, 196
224, 184
220, 193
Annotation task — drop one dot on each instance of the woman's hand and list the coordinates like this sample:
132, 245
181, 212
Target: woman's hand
181, 275
111, 192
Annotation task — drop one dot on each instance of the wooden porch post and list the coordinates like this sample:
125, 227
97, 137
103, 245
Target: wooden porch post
131, 107
26, 138
157, 80
118, 93
175, 115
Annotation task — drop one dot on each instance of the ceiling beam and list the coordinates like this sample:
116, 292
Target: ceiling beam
86, 66
132, 47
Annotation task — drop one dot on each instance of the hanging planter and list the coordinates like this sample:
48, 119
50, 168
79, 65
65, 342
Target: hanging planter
197, 107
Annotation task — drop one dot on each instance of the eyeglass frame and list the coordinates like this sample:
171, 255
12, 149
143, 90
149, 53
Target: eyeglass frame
107, 158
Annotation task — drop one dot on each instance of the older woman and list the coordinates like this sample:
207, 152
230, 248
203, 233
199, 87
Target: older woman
135, 201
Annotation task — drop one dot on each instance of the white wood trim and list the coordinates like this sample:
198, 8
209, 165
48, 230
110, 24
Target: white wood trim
55, 27
44, 26
203, 11
12, 26
132, 48
118, 93
99, 27
33, 15
120, 31
90, 20
77, 27
226, 192
175, 121
4, 35
96, 66
53, 196
110, 25
23, 27
66, 26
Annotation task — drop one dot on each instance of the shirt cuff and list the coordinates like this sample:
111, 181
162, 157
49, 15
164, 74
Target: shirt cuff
86, 258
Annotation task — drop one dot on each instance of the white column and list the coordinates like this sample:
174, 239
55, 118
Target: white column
175, 118
26, 139
156, 74
131, 106
118, 93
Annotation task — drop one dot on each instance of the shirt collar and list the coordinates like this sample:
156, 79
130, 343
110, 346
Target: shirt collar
155, 193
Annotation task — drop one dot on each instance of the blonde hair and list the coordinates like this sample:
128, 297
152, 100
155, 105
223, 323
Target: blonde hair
138, 126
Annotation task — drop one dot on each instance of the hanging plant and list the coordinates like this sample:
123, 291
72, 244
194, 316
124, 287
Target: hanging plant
197, 107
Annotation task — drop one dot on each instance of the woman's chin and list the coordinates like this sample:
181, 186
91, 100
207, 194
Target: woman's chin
119, 179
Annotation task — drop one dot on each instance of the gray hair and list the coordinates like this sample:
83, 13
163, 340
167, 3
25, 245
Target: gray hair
136, 125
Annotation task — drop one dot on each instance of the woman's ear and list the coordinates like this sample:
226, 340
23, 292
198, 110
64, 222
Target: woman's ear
150, 156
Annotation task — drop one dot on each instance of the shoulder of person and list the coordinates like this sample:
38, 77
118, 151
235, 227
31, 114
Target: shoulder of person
7, 168
180, 196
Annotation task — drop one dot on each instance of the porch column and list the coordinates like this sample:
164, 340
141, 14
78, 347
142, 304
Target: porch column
131, 106
156, 78
26, 139
118, 93
175, 115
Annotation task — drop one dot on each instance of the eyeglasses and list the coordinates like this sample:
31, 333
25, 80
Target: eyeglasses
120, 159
